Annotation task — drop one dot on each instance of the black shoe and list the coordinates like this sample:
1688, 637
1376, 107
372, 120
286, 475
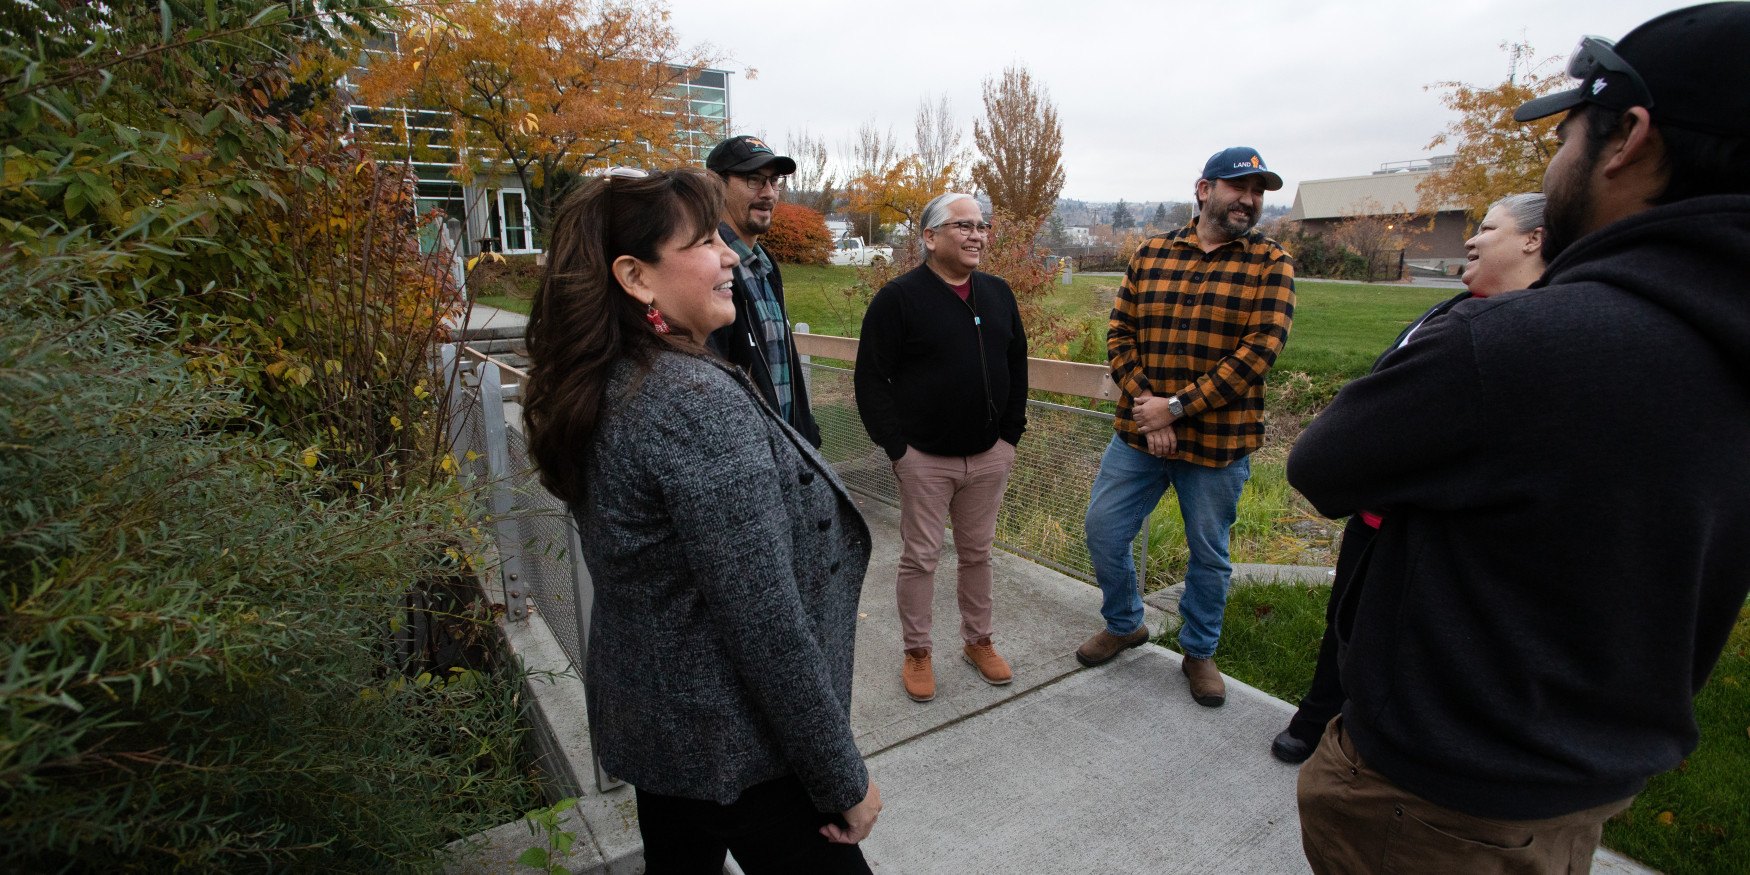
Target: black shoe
1291, 750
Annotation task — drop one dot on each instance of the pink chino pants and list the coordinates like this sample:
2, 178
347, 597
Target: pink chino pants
968, 490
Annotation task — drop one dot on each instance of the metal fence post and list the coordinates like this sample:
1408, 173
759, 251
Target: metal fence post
510, 548
583, 603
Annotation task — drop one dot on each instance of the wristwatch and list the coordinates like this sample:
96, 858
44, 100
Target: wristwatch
1174, 407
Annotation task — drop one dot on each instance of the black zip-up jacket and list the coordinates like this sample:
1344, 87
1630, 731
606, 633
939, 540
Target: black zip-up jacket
1566, 491
743, 344
919, 380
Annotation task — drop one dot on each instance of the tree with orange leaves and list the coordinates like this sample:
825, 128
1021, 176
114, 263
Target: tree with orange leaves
1021, 144
546, 87
1494, 156
899, 193
798, 235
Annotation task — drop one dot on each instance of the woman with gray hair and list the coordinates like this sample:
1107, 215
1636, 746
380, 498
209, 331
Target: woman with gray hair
1505, 254
942, 387
1507, 251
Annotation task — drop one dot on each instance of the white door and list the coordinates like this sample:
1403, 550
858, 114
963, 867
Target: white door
515, 232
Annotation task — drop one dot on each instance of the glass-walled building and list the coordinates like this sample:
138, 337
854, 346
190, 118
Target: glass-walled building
705, 102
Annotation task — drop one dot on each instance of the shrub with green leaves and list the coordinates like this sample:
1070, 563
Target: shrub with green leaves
206, 147
219, 463
195, 670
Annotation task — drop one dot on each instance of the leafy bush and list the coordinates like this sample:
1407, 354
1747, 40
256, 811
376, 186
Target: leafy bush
196, 675
517, 276
1316, 255
1013, 253
798, 235
207, 150
221, 463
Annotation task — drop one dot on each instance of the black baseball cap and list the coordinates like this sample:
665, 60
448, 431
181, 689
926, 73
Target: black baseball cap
1688, 68
745, 154
1240, 161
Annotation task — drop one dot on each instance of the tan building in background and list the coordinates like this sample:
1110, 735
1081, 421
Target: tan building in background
1324, 205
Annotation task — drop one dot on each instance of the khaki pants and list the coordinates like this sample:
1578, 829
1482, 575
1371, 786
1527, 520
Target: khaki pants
933, 490
1355, 820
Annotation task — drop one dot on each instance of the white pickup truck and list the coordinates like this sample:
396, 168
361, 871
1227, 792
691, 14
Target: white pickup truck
850, 250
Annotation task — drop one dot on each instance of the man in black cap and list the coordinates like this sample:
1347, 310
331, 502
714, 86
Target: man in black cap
1565, 491
1199, 319
759, 339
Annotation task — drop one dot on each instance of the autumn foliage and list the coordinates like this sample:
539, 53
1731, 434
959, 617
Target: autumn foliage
899, 192
1022, 146
547, 87
1012, 252
1494, 156
798, 235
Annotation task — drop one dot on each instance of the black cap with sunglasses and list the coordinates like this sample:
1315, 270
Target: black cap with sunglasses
1686, 67
745, 154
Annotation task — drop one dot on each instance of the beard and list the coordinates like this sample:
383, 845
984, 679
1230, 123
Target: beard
1235, 227
1567, 207
1220, 215
759, 225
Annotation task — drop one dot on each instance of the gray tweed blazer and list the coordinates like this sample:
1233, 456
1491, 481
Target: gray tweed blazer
728, 559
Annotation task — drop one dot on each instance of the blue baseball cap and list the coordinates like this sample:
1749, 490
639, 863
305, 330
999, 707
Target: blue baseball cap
1240, 161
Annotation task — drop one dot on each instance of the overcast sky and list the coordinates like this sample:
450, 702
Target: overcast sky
1146, 91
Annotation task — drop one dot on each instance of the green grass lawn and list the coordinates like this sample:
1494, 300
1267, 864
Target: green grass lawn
515, 304
1692, 821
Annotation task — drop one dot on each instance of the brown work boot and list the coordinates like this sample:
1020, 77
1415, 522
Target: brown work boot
1100, 649
1207, 687
993, 668
920, 682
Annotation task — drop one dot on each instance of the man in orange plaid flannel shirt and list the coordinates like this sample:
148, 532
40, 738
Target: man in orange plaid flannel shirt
1201, 315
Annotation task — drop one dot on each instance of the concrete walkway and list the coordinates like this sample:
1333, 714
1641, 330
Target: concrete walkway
1071, 770
482, 317
1066, 769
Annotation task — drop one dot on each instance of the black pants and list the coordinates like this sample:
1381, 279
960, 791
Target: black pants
1325, 699
773, 828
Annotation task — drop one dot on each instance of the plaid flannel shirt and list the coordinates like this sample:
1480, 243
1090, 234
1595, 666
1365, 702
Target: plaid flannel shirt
1204, 326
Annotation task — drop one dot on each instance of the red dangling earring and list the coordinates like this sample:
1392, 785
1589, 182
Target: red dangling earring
654, 317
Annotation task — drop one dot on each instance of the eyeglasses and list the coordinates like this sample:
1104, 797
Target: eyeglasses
1596, 56
626, 172
755, 182
968, 228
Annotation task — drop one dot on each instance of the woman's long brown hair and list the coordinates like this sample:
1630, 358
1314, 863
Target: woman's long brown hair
583, 320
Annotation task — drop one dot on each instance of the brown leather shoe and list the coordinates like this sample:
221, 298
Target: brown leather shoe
920, 682
1100, 649
982, 656
1207, 687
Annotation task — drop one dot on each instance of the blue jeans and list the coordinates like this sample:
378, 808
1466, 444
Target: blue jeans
1130, 484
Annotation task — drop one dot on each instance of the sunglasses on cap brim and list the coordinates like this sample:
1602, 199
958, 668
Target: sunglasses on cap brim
1595, 60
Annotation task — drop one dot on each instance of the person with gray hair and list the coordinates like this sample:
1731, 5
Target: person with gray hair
941, 385
1505, 254
1507, 251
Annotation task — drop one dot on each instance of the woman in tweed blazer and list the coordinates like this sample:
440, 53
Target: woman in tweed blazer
727, 556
